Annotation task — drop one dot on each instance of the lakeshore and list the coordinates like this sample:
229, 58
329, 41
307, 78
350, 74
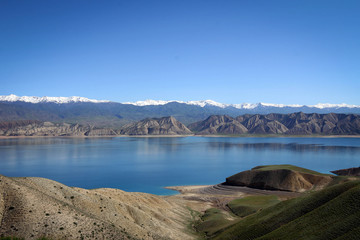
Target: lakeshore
193, 135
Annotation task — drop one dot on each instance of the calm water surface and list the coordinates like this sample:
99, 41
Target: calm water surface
148, 164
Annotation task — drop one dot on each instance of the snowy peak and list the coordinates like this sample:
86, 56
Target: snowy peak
248, 106
150, 102
202, 103
208, 103
59, 100
329, 105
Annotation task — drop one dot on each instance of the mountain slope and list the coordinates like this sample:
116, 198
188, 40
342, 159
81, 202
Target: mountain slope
217, 124
156, 126
260, 124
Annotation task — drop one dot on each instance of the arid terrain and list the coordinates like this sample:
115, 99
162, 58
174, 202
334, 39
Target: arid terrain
35, 207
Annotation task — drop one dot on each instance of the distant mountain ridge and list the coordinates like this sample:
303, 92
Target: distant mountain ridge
289, 124
286, 124
103, 113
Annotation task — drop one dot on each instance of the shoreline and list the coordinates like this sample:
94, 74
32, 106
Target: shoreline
181, 136
185, 188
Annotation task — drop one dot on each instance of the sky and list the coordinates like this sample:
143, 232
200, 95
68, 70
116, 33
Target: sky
289, 52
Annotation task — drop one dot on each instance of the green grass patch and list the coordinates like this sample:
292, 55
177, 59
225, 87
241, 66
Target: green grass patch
288, 167
329, 221
195, 218
248, 205
212, 221
331, 213
350, 235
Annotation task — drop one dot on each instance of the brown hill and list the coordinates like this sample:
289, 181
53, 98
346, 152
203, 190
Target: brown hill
156, 126
348, 172
218, 124
304, 124
32, 208
280, 177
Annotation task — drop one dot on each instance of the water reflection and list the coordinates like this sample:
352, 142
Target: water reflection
156, 145
49, 140
285, 146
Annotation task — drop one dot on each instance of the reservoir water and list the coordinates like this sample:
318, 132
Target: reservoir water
148, 164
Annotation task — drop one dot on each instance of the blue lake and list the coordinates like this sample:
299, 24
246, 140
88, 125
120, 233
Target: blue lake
149, 164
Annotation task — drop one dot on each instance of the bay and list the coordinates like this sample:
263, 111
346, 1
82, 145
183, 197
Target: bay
147, 164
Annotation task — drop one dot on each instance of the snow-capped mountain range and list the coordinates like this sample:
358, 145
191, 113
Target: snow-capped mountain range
106, 113
33, 99
202, 103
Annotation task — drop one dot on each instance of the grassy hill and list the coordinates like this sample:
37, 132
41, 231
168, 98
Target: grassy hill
288, 167
248, 205
332, 213
280, 177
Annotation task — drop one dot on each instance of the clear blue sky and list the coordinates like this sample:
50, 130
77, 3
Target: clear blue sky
300, 51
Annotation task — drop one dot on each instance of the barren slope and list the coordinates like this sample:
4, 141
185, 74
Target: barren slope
156, 126
37, 207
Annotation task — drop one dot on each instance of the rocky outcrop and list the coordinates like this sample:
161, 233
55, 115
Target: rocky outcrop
156, 126
280, 177
355, 172
218, 124
36, 128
